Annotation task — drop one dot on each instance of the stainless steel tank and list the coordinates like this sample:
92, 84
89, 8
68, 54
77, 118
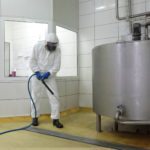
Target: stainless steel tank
121, 80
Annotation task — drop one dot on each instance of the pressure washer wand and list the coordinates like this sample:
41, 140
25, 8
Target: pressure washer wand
47, 87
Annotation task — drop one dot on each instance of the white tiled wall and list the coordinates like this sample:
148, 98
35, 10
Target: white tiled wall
68, 91
14, 97
98, 25
30, 9
68, 46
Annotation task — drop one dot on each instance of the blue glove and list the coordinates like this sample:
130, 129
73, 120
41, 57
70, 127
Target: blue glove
38, 75
45, 75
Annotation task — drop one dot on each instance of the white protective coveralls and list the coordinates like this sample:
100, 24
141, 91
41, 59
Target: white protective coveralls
45, 61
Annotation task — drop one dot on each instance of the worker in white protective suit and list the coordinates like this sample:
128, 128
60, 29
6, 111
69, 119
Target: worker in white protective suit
45, 63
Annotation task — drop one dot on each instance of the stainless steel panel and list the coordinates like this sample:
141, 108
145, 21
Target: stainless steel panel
121, 76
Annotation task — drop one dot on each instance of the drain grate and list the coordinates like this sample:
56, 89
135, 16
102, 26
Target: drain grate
83, 139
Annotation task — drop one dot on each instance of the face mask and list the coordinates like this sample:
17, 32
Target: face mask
51, 46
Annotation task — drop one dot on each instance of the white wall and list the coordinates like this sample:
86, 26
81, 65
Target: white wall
68, 45
98, 25
14, 99
30, 9
66, 13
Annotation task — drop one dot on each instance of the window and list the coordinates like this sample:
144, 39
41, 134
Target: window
20, 37
68, 46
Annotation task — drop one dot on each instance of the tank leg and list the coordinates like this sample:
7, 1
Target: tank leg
98, 123
116, 126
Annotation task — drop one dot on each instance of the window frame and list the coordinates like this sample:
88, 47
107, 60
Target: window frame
4, 78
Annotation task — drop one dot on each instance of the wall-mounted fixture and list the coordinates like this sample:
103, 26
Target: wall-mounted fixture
136, 34
135, 28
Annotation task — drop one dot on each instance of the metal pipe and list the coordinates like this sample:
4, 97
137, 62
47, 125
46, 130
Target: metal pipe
117, 11
117, 115
147, 31
132, 122
141, 14
130, 7
131, 16
119, 112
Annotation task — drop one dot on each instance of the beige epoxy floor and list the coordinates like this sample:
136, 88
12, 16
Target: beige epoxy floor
27, 140
83, 122
76, 122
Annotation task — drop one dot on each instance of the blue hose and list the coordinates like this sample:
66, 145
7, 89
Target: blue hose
26, 127
29, 91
